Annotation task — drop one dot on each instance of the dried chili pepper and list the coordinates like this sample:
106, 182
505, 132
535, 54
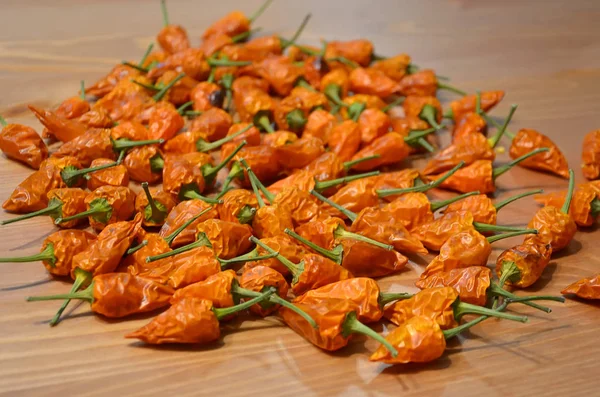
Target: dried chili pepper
58, 250
344, 139
190, 320
61, 203
106, 205
424, 83
556, 227
482, 207
155, 207
372, 82
427, 108
235, 22
590, 155
107, 83
336, 320
293, 111
238, 205
114, 175
22, 143
373, 124
300, 153
585, 204
480, 175
61, 128
553, 160
127, 101
359, 51
467, 104
73, 107
172, 38
256, 106
135, 263
180, 225
522, 265
144, 164
311, 272
31, 194
394, 67
470, 124
117, 295
586, 288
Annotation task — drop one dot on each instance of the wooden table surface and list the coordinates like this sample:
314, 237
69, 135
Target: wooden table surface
545, 54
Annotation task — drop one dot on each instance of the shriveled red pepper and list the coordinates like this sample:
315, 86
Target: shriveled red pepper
106, 205
590, 155
144, 163
117, 295
585, 204
172, 38
190, 320
61, 203
184, 218
115, 175
556, 227
21, 143
586, 288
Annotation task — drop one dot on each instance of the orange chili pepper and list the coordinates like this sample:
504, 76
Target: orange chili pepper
313, 271
107, 83
172, 38
459, 108
106, 205
214, 44
300, 153
130, 129
344, 139
22, 143
97, 118
522, 265
469, 124
335, 85
238, 205
279, 138
279, 71
480, 175
217, 288
336, 320
117, 295
58, 127
213, 123
206, 95
127, 101
31, 194
355, 195
394, 67
359, 51
585, 205
424, 83
61, 203
73, 107
144, 164
190, 266
300, 204
190, 320
181, 223
553, 160
369, 102
256, 106
372, 82
136, 264
116, 175
319, 124
586, 288
402, 179
427, 108
191, 61
260, 278
165, 121
441, 304
58, 250
261, 158
373, 124
482, 208
293, 110
590, 155
155, 206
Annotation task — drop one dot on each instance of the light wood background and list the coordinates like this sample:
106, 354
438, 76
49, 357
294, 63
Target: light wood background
545, 54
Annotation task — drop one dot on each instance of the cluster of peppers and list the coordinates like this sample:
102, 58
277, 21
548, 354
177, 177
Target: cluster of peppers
296, 218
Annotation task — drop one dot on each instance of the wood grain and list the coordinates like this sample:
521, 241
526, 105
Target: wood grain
545, 54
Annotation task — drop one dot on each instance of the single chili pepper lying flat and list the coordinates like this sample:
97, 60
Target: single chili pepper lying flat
191, 320
586, 288
187, 215
553, 160
117, 295
107, 83
238, 205
155, 206
585, 204
144, 164
21, 143
467, 104
522, 265
115, 175
171, 38
58, 127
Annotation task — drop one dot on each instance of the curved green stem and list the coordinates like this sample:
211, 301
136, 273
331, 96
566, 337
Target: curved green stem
349, 164
295, 269
349, 214
355, 110
254, 182
236, 172
150, 87
86, 294
146, 54
490, 120
324, 185
348, 62
336, 254
496, 290
81, 278
169, 239
243, 36
286, 43
567, 204
165, 13
451, 333
210, 172
54, 209
387, 297
225, 62
133, 65
421, 188
72, 176
3, 122
333, 92
341, 232
204, 146
100, 210
393, 104
159, 95
415, 136
152, 211
124, 143
241, 258
264, 123
428, 113
47, 254
288, 305
463, 308
436, 205
260, 10
228, 262
451, 88
182, 109
493, 141
157, 163
501, 170
228, 311
511, 232
509, 200
202, 241
351, 325
189, 192
509, 272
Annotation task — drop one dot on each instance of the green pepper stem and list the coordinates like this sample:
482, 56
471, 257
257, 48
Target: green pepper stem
416, 135
146, 54
181, 109
210, 173
282, 302
336, 255
265, 124
54, 208
169, 239
241, 258
493, 141
211, 75
428, 114
165, 13
509, 272
463, 308
87, 295
124, 143
333, 92
227, 262
307, 51
349, 214
436, 205
449, 114
348, 62
301, 82
159, 95
421, 188
451, 333
202, 241
496, 290
204, 146
341, 232
3, 121
246, 214
47, 254
71, 175
349, 164
260, 10
393, 104
296, 120
355, 110
295, 269
146, 86
191, 194
425, 145
252, 176
595, 207
133, 65
157, 163
501, 170
253, 182
351, 325
225, 62
286, 43
228, 311
492, 239
509, 200
243, 36
97, 206
82, 90
567, 204
324, 185
478, 102
387, 297
80, 278
493, 122
451, 88
138, 247
236, 172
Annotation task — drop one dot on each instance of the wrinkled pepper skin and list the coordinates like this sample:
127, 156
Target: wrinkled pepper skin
318, 271
419, 340
411, 210
530, 259
136, 263
319, 124
554, 228
286, 246
185, 169
590, 155
180, 214
271, 221
231, 24
434, 234
73, 202
131, 129
21, 143
372, 82
173, 38
326, 166
464, 249
164, 121
480, 206
137, 162
390, 147
359, 51
366, 260
107, 83
421, 83
580, 209
66, 245
213, 123
373, 124
58, 127
259, 277
190, 320
467, 104
354, 196
344, 139
469, 149
300, 153
320, 231
552, 161
160, 196
121, 199
471, 283
228, 239
204, 96
234, 201
413, 105
394, 67
476, 176
192, 266
216, 288
469, 124
586, 288
434, 303
95, 143
113, 176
